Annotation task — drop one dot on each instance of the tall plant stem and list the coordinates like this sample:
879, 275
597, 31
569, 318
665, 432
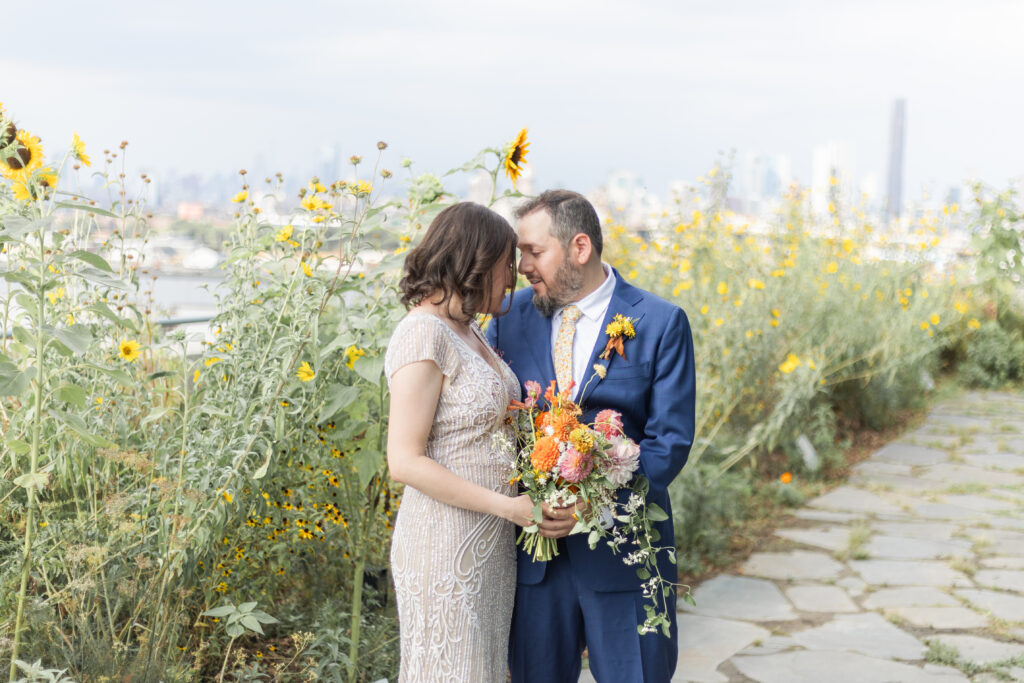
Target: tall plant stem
37, 422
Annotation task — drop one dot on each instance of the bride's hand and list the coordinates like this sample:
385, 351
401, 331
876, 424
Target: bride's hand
520, 511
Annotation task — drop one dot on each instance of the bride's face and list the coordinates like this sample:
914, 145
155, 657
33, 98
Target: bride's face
502, 280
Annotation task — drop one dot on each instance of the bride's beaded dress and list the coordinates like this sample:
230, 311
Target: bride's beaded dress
454, 569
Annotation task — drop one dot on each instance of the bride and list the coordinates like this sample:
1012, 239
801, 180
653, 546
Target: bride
453, 549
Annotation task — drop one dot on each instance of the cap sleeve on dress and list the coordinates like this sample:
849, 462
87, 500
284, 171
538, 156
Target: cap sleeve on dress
421, 337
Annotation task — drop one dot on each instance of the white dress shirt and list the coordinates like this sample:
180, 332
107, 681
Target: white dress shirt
593, 308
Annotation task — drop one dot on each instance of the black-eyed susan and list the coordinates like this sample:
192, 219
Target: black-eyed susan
515, 157
128, 349
78, 150
26, 157
305, 373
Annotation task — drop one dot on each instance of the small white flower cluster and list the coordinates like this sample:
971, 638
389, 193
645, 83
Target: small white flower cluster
634, 503
636, 557
651, 586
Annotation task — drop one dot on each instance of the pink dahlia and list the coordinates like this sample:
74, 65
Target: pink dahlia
575, 466
608, 423
623, 461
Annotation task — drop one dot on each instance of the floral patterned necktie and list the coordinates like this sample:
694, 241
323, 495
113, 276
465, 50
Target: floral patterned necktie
563, 346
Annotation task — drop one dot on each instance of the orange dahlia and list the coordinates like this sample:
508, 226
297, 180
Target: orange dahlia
545, 454
564, 423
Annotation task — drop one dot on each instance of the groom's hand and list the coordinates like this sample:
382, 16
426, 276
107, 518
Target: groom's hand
559, 521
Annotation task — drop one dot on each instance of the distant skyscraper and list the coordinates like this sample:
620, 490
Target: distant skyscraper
765, 177
897, 128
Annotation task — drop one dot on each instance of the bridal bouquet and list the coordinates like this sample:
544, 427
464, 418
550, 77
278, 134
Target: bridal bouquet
563, 462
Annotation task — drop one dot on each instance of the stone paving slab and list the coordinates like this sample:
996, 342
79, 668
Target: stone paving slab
981, 650
869, 634
997, 461
1005, 579
795, 565
903, 548
834, 538
706, 642
952, 474
740, 597
908, 454
1002, 605
933, 531
833, 667
940, 618
851, 499
907, 573
817, 598
912, 596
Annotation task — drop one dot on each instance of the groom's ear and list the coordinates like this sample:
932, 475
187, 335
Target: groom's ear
580, 249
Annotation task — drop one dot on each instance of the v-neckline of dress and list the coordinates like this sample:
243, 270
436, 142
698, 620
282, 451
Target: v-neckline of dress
476, 331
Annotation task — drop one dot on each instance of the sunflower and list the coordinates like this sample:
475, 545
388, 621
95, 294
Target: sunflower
515, 153
128, 349
78, 150
28, 157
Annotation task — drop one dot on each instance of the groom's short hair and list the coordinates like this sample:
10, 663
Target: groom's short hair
571, 213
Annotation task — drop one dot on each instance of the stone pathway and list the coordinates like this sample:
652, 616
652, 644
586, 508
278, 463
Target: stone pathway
915, 564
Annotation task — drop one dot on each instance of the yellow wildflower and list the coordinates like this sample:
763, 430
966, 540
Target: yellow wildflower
723, 288
305, 373
755, 284
973, 324
306, 269
790, 364
240, 197
55, 295
352, 354
128, 349
831, 267
78, 150
284, 234
935, 319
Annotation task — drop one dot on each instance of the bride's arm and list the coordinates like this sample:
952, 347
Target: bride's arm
415, 390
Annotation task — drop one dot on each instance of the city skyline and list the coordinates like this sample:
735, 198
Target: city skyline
665, 91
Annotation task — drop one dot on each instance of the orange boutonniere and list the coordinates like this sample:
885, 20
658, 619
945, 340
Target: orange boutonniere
618, 330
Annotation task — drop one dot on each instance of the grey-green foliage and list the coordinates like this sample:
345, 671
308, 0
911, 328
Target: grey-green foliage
995, 357
705, 507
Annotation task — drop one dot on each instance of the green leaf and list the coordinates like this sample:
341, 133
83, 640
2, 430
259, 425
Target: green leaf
21, 278
120, 376
370, 369
235, 630
85, 207
643, 573
78, 426
103, 279
252, 624
655, 513
262, 470
688, 597
264, 618
593, 538
18, 446
368, 464
13, 382
161, 375
18, 225
92, 259
103, 310
73, 394
37, 480
219, 612
155, 415
76, 339
339, 397
246, 606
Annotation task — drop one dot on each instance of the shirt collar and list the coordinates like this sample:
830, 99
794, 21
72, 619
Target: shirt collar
595, 304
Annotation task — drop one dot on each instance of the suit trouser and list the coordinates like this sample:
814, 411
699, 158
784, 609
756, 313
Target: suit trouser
555, 619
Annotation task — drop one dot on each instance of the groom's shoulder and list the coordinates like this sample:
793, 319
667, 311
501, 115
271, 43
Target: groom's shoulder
658, 306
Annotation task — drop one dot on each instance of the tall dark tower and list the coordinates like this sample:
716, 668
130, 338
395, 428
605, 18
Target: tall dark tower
896, 131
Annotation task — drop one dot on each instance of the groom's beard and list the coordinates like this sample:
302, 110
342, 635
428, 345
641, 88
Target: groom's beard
564, 290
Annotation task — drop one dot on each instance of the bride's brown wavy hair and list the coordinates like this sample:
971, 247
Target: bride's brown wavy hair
456, 257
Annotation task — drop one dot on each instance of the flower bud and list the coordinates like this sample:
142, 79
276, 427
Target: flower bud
382, 145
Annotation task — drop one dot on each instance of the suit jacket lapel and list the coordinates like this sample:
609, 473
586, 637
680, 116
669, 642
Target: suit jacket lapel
625, 300
537, 331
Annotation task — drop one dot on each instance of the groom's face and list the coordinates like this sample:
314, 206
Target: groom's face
556, 281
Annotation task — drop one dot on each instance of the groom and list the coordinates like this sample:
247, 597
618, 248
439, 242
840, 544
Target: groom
591, 598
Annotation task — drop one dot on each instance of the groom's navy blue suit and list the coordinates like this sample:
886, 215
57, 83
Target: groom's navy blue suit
591, 597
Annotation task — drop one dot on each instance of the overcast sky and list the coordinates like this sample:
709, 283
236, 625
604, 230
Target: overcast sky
660, 88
